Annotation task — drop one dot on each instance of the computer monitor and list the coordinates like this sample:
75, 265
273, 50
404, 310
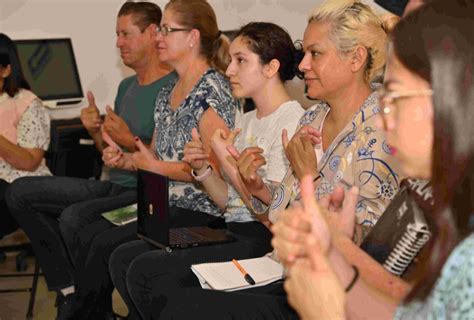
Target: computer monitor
50, 68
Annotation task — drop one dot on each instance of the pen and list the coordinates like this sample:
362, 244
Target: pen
247, 277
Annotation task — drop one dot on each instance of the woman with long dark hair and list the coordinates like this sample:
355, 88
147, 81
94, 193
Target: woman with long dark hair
427, 114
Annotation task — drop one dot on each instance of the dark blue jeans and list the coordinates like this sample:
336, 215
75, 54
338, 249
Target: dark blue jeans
53, 210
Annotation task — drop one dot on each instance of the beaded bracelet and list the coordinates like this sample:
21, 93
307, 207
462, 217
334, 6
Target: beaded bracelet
204, 175
354, 279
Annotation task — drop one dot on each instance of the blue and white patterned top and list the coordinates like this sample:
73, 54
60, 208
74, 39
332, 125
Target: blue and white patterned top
358, 156
453, 294
173, 131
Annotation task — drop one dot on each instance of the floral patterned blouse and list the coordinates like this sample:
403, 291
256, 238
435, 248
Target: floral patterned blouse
173, 131
358, 156
33, 131
453, 294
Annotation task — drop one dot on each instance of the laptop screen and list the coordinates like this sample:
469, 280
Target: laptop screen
50, 68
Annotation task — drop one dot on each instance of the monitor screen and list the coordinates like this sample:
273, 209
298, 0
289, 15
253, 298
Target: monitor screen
50, 68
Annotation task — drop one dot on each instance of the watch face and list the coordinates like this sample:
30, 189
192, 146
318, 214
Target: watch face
394, 6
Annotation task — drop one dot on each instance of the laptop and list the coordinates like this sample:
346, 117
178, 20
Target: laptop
153, 213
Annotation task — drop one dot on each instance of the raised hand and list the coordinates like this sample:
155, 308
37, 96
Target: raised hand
194, 153
340, 208
300, 151
118, 130
313, 287
90, 115
220, 140
295, 224
248, 162
143, 158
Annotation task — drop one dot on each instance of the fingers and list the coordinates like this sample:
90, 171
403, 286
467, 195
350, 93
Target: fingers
307, 196
336, 198
316, 256
111, 155
284, 138
194, 157
311, 134
233, 152
232, 135
91, 100
139, 144
249, 161
196, 137
110, 113
289, 234
348, 211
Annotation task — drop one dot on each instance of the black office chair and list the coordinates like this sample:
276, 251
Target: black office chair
21, 265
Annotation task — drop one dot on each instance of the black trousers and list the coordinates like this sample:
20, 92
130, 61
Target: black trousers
267, 302
8, 224
153, 276
53, 210
94, 286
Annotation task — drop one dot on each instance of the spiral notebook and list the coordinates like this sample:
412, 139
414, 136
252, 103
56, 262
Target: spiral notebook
225, 276
399, 234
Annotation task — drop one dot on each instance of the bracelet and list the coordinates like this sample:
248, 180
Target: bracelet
203, 176
354, 279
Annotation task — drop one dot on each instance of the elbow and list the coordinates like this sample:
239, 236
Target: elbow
30, 165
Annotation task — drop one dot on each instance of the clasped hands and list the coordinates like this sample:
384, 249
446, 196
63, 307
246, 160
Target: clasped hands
303, 239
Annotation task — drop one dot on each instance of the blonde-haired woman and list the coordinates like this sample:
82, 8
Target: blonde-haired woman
345, 46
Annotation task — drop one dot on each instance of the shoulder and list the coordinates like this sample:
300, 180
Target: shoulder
216, 82
314, 111
460, 265
293, 108
289, 114
248, 116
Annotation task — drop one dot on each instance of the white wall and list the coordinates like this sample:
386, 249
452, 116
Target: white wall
91, 26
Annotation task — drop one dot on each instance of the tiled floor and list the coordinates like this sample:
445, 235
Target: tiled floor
13, 306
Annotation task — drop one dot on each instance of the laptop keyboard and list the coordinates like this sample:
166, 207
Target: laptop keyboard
185, 236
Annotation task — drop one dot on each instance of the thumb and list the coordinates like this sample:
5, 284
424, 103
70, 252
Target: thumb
110, 112
233, 152
307, 196
91, 99
284, 138
233, 134
316, 256
195, 135
348, 211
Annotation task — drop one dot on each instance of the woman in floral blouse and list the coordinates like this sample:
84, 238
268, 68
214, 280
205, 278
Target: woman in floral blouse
24, 129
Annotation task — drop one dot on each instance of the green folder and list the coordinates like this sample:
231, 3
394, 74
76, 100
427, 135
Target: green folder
122, 216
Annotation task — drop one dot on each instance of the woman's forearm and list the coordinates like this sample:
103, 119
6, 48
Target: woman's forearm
376, 293
370, 270
18, 157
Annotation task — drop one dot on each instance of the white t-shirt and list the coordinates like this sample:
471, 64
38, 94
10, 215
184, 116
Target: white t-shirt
264, 133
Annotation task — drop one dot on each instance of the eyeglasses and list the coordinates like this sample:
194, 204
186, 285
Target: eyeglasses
388, 99
165, 30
